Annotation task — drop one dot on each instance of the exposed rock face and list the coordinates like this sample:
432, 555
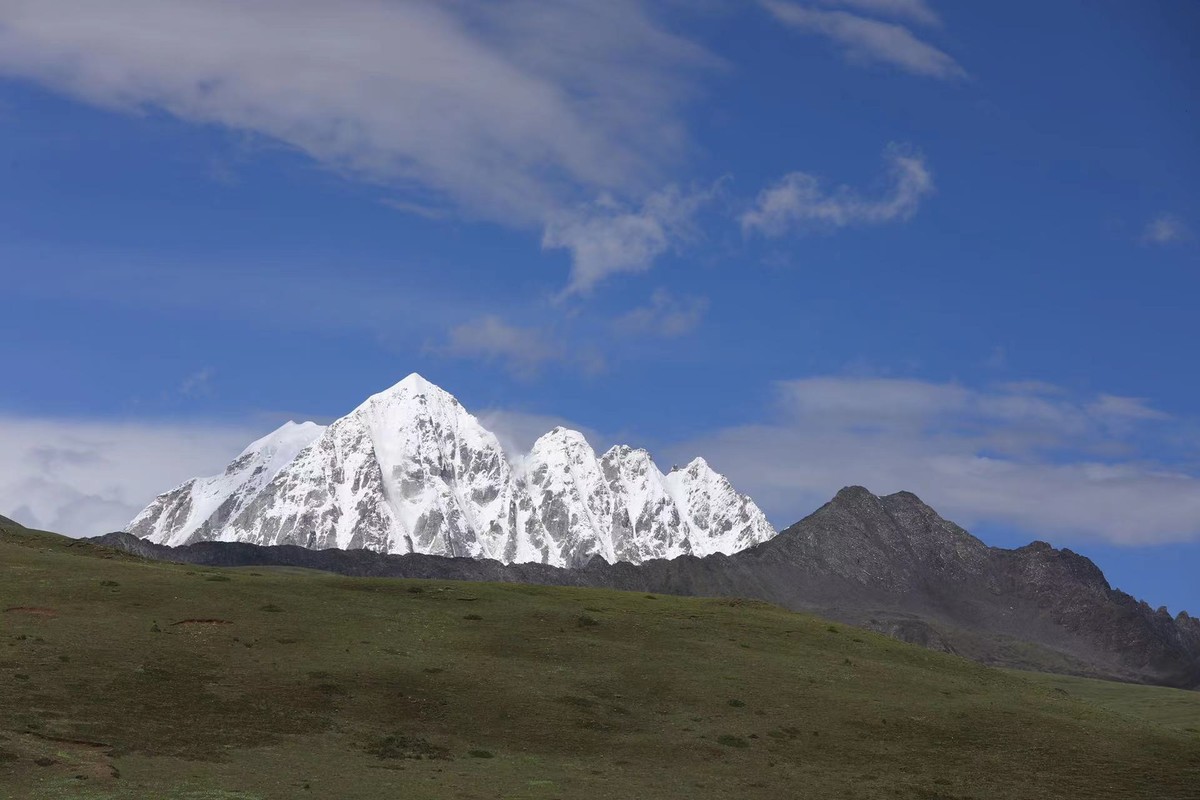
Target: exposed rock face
889, 563
875, 560
412, 471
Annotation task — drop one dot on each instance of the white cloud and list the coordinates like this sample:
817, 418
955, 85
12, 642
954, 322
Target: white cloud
915, 10
665, 315
866, 41
86, 478
1039, 460
608, 237
198, 383
1165, 229
797, 202
511, 110
1109, 406
521, 350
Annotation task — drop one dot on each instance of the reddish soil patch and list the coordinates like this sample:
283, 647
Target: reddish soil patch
203, 622
33, 611
67, 740
66, 756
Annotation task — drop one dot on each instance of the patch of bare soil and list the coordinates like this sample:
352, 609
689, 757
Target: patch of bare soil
77, 758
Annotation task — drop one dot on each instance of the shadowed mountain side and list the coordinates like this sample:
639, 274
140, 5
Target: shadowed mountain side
5, 522
887, 563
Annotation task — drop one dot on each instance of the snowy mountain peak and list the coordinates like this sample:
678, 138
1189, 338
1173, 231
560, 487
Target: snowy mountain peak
697, 466
563, 439
411, 470
411, 394
290, 437
416, 383
201, 508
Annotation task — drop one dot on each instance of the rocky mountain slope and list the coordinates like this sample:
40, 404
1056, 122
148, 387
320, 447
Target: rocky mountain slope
889, 563
412, 471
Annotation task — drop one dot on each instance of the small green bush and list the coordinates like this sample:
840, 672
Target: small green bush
729, 740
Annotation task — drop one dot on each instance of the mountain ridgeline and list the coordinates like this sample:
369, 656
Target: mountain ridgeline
888, 563
411, 471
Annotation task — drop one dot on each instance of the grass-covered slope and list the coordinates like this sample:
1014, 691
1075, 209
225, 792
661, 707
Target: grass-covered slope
1173, 708
128, 679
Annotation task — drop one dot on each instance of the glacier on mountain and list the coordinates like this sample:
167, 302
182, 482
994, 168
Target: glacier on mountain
412, 471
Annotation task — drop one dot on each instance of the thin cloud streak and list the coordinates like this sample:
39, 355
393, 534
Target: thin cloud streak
914, 10
665, 315
797, 203
521, 350
869, 41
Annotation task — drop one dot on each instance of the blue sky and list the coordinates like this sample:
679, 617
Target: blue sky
949, 247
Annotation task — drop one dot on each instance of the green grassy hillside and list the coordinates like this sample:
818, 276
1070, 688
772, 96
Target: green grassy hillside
1173, 708
126, 679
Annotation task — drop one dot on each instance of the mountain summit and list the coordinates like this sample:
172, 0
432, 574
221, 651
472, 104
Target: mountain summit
412, 471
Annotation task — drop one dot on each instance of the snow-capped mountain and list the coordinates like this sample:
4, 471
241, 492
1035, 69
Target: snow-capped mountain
411, 470
202, 507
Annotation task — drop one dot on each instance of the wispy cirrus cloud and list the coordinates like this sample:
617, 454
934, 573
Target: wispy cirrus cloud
509, 110
521, 350
864, 40
568, 118
798, 203
1165, 229
197, 383
1031, 456
917, 11
609, 237
665, 315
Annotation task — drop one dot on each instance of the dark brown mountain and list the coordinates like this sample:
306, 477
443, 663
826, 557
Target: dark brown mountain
887, 563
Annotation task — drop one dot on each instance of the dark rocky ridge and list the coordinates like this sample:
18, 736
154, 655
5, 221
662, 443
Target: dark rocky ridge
888, 563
